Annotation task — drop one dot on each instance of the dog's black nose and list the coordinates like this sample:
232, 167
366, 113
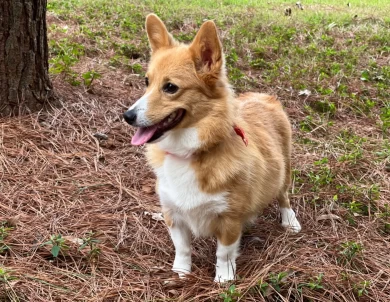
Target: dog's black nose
130, 116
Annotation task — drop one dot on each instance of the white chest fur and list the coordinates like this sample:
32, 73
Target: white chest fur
179, 193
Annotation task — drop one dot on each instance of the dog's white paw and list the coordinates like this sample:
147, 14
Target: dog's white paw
222, 279
182, 266
289, 220
225, 272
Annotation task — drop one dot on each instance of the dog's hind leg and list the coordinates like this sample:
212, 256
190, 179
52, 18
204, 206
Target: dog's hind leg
228, 237
289, 219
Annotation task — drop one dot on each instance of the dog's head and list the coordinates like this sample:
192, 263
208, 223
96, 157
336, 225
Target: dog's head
184, 83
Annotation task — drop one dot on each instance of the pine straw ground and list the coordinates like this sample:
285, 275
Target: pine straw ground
58, 178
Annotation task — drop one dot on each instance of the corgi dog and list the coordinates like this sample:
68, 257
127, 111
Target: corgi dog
219, 159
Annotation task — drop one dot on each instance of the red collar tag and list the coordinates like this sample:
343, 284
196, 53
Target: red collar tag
241, 133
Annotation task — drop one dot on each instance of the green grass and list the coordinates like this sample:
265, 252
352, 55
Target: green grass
314, 49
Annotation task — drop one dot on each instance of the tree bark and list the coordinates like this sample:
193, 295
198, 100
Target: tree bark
25, 85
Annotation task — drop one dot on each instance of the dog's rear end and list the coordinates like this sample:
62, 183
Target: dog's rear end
267, 118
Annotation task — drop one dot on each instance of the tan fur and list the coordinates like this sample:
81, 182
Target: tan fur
254, 174
168, 219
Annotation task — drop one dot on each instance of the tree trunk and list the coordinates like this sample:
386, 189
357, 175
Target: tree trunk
24, 80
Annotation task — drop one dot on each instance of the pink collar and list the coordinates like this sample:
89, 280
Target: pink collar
240, 132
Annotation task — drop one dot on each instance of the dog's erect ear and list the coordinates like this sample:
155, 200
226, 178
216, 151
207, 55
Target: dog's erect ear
207, 50
157, 33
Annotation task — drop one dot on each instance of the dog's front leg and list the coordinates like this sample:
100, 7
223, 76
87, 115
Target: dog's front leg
181, 237
227, 253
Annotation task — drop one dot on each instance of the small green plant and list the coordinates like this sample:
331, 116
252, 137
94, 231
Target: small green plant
321, 177
356, 207
5, 275
353, 156
345, 276
137, 68
324, 106
385, 117
350, 249
231, 294
91, 241
5, 278
307, 124
235, 74
186, 37
130, 51
386, 212
322, 161
365, 75
264, 288
315, 121
89, 77
4, 232
298, 181
58, 245
314, 284
385, 215
373, 192
384, 153
362, 106
352, 145
277, 280
386, 228
361, 288
64, 55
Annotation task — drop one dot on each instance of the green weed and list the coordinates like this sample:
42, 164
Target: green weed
356, 207
384, 153
58, 245
361, 288
130, 51
64, 54
5, 275
322, 176
137, 68
385, 117
350, 250
352, 145
277, 280
307, 124
325, 106
313, 284
264, 288
4, 232
89, 77
5, 278
90, 241
231, 294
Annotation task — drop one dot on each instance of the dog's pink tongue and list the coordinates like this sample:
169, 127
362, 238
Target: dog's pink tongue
143, 135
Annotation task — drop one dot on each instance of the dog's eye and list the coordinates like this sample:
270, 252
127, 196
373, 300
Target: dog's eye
170, 88
147, 82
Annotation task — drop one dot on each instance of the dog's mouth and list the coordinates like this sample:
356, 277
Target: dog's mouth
151, 133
